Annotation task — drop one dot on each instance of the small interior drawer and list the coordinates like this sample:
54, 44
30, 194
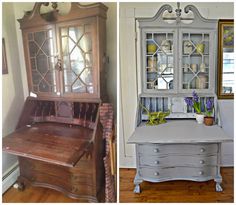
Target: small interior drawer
177, 149
177, 160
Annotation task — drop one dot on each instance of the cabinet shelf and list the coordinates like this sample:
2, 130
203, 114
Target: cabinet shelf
195, 55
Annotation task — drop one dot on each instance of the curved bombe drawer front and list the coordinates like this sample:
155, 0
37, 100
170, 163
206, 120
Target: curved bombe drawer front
74, 180
177, 149
168, 173
176, 160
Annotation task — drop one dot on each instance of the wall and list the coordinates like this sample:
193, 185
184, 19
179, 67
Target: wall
130, 78
112, 53
12, 89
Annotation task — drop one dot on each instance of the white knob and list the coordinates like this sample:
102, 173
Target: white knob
58, 93
202, 162
156, 162
156, 173
201, 173
156, 150
202, 150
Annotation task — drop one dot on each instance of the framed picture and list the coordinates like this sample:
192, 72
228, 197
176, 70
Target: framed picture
4, 58
225, 59
228, 36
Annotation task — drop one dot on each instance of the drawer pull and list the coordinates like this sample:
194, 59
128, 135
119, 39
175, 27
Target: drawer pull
201, 173
156, 150
202, 161
202, 150
156, 162
156, 173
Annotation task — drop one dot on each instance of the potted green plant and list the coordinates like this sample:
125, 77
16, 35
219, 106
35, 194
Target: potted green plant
195, 103
209, 107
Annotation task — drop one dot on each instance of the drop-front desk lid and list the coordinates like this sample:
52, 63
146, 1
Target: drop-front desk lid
50, 142
178, 131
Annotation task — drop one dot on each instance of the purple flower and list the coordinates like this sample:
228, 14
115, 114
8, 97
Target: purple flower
209, 105
189, 101
195, 96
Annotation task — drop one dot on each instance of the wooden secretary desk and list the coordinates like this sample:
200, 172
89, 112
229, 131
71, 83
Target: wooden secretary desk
58, 139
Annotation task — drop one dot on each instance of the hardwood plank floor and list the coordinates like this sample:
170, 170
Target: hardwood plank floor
176, 191
36, 195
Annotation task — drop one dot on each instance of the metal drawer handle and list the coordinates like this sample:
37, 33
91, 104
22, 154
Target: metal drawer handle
201, 173
156, 173
156, 150
156, 162
202, 161
202, 150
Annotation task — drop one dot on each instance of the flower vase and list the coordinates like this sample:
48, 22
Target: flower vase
208, 121
199, 118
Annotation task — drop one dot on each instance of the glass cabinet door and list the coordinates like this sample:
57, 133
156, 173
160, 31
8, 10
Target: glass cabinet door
195, 64
41, 53
159, 61
76, 44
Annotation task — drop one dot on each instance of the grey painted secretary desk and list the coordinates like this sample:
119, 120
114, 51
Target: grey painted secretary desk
178, 56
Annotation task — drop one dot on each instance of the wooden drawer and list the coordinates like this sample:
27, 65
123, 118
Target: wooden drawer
177, 149
75, 180
177, 160
177, 172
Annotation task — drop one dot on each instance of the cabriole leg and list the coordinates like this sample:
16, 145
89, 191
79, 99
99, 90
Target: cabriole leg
218, 181
218, 187
137, 181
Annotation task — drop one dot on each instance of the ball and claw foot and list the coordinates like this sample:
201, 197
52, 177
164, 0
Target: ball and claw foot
19, 186
218, 187
137, 189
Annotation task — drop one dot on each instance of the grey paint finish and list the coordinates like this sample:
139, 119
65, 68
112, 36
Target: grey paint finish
199, 25
199, 162
163, 161
179, 149
179, 131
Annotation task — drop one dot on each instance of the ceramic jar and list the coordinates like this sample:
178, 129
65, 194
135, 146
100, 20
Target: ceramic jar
188, 47
166, 46
194, 67
203, 67
152, 63
200, 48
199, 118
151, 48
201, 82
208, 121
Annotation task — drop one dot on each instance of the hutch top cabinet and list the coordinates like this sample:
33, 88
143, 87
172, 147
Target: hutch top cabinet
178, 56
64, 53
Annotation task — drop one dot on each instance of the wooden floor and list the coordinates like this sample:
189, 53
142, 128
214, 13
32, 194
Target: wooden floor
176, 191
36, 195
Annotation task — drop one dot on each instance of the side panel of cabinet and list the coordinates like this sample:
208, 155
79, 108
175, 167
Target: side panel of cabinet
40, 50
159, 61
78, 50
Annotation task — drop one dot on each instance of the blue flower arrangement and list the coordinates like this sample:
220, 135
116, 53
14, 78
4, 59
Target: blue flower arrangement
209, 107
195, 103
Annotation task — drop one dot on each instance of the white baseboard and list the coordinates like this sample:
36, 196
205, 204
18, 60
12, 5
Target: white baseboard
10, 178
